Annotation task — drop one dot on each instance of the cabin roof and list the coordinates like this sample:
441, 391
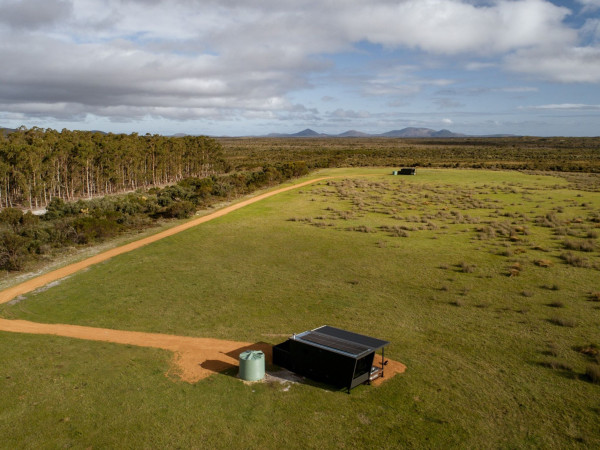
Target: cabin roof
341, 341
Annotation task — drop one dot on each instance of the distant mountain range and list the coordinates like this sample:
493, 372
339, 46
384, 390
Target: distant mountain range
409, 132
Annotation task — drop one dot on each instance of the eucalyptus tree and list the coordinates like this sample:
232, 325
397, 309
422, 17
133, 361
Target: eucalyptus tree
38, 165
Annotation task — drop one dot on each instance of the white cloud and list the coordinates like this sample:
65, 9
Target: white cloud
346, 114
565, 65
591, 30
33, 14
442, 26
400, 81
224, 59
453, 26
565, 107
448, 103
518, 89
590, 5
480, 65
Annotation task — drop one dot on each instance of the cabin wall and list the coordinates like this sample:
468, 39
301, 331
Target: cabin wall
321, 364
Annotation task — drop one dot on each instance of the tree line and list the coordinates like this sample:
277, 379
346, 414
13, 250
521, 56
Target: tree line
38, 165
25, 237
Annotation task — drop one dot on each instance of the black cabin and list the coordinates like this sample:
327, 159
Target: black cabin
331, 355
405, 171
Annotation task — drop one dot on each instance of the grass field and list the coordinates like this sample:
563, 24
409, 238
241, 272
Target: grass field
485, 282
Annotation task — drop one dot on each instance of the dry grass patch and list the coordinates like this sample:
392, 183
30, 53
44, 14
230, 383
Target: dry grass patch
563, 322
466, 267
591, 350
515, 269
592, 373
579, 245
557, 365
552, 287
575, 260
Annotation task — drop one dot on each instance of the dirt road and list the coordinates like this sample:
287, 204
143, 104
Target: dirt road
42, 280
194, 358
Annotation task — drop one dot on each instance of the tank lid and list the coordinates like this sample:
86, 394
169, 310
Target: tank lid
252, 354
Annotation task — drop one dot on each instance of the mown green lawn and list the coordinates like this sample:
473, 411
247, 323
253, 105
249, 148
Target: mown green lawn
485, 284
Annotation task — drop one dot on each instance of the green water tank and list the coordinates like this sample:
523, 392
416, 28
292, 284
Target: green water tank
252, 365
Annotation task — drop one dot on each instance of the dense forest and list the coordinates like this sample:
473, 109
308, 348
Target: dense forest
38, 165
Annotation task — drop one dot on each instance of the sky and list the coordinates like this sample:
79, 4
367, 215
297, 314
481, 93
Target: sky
243, 67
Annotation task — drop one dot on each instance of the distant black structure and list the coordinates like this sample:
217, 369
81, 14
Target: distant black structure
332, 355
405, 171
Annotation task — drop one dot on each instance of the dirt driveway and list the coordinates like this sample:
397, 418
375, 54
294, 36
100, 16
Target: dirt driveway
193, 358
